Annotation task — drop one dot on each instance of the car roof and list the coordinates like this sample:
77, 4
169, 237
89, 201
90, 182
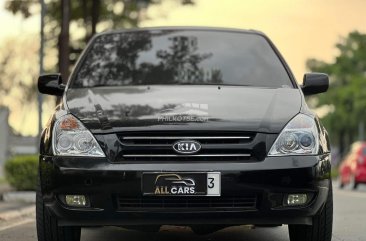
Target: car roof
195, 28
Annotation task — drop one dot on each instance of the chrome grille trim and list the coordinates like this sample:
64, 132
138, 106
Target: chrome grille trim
182, 137
158, 146
197, 155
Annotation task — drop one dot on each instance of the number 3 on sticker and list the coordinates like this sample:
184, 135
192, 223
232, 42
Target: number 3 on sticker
213, 184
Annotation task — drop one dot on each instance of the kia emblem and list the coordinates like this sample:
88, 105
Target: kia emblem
187, 146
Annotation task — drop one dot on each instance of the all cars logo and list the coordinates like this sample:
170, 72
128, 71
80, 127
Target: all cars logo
174, 184
187, 146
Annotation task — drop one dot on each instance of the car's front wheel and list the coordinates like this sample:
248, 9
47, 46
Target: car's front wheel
47, 227
340, 182
321, 229
353, 182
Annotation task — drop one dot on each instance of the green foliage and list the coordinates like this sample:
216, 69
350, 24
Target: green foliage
334, 173
347, 92
21, 172
2, 181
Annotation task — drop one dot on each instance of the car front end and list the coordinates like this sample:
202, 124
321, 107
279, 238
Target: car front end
215, 155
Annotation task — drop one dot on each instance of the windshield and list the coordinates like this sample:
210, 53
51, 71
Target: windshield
190, 57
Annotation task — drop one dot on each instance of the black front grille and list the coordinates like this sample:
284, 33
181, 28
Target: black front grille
216, 146
186, 203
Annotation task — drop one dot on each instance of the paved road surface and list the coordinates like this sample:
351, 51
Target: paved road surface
349, 225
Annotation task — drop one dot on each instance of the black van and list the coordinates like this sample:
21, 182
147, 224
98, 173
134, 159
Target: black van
202, 127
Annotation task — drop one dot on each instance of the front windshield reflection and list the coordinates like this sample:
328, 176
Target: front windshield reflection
180, 57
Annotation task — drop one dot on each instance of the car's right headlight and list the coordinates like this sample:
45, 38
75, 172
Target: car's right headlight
72, 138
299, 137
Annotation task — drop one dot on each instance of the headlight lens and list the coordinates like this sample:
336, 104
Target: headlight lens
71, 138
299, 137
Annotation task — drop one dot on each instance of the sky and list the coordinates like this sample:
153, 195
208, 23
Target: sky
301, 29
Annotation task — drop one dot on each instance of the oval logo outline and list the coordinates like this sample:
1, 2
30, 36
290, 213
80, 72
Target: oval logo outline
187, 146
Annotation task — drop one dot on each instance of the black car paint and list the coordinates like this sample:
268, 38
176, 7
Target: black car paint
102, 178
113, 109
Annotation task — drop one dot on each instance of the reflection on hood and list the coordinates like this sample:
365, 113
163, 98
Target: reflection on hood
118, 108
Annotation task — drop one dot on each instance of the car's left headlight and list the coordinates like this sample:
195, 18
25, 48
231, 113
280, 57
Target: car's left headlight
299, 137
72, 138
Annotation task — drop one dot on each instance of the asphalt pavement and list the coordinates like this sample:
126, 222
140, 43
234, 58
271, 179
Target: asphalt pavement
349, 225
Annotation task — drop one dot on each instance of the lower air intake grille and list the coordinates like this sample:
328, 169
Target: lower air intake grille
186, 203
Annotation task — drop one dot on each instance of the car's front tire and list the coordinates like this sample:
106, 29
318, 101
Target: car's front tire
47, 227
353, 182
321, 229
340, 182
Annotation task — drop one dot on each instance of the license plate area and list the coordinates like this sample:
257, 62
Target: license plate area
181, 184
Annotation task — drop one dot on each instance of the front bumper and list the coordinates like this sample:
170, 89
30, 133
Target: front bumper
269, 180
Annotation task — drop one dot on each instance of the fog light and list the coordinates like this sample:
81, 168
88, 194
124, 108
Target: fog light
76, 200
296, 199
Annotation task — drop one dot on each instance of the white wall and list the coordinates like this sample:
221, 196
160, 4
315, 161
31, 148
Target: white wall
4, 136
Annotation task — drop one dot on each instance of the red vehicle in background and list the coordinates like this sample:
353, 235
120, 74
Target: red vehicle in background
353, 168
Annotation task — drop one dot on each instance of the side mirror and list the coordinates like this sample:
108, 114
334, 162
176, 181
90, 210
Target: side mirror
51, 84
315, 83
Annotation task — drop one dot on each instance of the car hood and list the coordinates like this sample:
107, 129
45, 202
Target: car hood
137, 108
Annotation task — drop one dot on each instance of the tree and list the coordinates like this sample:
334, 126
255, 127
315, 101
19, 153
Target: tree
85, 16
346, 97
114, 60
14, 81
64, 40
18, 76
